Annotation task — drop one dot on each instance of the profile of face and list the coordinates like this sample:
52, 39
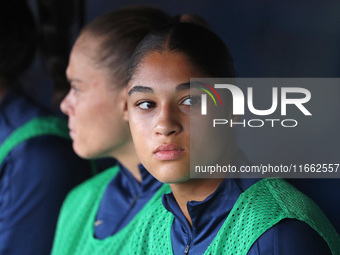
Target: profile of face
94, 105
159, 105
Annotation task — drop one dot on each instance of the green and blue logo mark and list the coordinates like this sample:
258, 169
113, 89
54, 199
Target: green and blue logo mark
204, 96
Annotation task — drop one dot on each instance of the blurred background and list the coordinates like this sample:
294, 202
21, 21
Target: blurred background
288, 38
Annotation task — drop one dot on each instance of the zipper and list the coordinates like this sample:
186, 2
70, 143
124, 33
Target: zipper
186, 251
190, 239
134, 201
184, 223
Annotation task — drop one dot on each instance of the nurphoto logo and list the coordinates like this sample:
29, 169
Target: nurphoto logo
301, 97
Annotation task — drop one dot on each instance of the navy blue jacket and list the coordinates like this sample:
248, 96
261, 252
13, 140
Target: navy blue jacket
34, 180
288, 237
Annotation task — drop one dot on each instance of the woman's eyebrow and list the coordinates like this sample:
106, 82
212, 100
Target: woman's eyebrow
141, 89
70, 80
183, 86
144, 89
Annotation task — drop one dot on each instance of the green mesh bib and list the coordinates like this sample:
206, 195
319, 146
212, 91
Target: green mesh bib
36, 127
257, 209
75, 229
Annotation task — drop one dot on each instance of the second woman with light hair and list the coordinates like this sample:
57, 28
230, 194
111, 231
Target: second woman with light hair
99, 216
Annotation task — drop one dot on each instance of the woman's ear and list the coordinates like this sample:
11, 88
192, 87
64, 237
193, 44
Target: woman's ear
125, 106
125, 112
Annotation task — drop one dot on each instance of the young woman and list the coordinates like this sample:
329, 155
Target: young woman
99, 215
206, 216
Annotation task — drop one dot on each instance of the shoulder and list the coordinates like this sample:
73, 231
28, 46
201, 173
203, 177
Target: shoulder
50, 146
272, 215
290, 237
96, 183
292, 214
48, 158
91, 188
18, 109
82, 200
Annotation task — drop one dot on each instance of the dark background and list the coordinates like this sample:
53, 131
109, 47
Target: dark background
282, 38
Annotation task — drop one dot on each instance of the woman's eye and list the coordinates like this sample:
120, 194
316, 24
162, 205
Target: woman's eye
146, 105
75, 89
191, 101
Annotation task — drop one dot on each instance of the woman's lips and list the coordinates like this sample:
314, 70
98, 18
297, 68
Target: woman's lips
168, 152
72, 133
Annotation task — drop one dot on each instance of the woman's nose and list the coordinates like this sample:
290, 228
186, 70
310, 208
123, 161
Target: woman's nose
65, 105
168, 122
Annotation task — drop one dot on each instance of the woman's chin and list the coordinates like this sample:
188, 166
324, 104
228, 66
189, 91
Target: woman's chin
83, 153
170, 176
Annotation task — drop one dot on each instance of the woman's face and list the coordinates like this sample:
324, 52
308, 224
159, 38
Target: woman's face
94, 106
159, 112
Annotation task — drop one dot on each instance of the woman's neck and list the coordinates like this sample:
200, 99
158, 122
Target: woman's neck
200, 189
193, 190
127, 156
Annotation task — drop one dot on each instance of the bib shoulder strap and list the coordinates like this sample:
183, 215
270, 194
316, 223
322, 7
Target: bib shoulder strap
262, 206
297, 205
48, 125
